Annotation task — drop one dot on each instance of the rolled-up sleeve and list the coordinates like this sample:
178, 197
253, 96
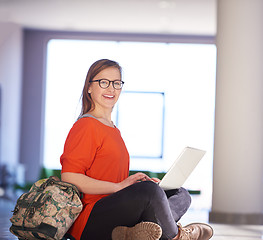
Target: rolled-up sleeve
80, 147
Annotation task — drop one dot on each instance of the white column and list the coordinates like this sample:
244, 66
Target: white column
238, 146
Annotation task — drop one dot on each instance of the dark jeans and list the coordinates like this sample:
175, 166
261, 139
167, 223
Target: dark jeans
143, 201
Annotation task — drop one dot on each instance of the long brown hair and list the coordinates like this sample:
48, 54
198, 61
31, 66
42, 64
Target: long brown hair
95, 68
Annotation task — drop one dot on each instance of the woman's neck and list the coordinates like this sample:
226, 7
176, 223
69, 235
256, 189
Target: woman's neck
101, 114
104, 117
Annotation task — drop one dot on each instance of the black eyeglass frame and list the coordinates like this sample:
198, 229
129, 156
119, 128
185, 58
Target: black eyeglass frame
109, 82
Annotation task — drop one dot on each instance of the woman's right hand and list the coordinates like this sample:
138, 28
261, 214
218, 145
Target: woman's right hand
90, 185
137, 177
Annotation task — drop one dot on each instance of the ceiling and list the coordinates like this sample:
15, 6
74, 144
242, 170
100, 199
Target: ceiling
196, 17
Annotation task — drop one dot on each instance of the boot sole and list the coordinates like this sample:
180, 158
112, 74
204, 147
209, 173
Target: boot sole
141, 231
203, 224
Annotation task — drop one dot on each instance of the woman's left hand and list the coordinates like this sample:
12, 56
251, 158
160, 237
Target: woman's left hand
156, 180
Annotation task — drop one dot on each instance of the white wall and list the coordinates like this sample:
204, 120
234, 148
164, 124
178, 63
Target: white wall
194, 17
10, 83
238, 140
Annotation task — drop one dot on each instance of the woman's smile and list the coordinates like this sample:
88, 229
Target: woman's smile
108, 96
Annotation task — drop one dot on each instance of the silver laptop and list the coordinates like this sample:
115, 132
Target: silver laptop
181, 168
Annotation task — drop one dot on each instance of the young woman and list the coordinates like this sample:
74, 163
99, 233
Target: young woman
117, 206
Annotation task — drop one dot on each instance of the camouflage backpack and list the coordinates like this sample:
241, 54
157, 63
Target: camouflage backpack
47, 211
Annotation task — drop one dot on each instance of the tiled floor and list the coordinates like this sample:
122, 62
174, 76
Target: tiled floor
5, 213
221, 232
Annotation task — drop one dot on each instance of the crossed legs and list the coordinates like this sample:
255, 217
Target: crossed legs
143, 201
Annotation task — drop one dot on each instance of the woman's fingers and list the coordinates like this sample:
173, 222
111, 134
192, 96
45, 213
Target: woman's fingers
141, 177
157, 180
137, 177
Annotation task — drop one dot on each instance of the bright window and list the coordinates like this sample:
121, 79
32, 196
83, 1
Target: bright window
167, 102
135, 111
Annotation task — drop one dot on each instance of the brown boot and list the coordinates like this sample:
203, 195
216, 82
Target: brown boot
195, 231
141, 231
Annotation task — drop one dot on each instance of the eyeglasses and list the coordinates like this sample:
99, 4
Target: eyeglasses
105, 83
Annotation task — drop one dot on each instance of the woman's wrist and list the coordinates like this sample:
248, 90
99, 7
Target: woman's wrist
117, 187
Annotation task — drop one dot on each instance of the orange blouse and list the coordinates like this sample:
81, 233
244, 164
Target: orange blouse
98, 151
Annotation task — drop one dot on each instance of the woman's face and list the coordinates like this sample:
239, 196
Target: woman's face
105, 98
